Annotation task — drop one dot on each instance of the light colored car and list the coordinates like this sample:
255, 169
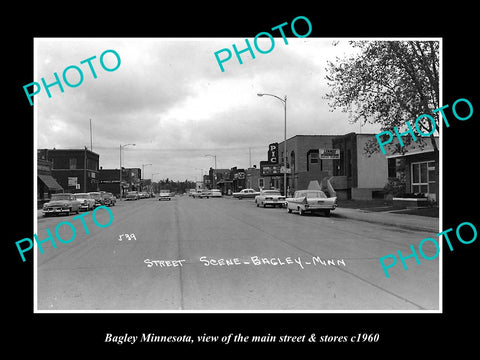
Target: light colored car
203, 193
87, 202
132, 195
311, 201
246, 193
191, 192
61, 203
215, 193
164, 195
270, 197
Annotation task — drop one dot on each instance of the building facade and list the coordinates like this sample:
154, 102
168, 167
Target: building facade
75, 170
109, 180
46, 184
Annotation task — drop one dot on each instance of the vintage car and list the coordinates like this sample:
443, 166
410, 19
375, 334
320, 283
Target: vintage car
164, 195
98, 198
215, 193
270, 197
61, 203
132, 195
87, 202
202, 194
311, 201
108, 199
246, 193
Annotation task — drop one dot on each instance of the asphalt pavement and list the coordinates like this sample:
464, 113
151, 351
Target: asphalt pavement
225, 254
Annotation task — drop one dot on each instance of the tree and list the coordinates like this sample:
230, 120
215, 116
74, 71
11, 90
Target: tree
388, 83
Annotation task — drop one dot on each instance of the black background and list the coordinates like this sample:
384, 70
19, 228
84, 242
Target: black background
405, 334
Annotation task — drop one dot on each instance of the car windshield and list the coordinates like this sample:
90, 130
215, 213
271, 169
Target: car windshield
131, 193
60, 197
106, 195
95, 195
271, 192
164, 191
82, 195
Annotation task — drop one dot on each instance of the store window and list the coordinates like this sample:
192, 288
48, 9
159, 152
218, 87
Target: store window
423, 176
72, 163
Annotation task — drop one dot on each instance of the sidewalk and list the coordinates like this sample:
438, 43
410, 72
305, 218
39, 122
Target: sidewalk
412, 222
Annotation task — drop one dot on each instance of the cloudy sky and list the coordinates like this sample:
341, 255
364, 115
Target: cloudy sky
170, 98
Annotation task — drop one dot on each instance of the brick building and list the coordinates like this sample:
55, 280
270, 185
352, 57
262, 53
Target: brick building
109, 180
75, 170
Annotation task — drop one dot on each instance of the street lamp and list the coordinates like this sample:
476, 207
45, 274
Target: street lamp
122, 146
143, 174
215, 172
284, 101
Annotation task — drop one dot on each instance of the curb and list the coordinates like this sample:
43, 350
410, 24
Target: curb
370, 219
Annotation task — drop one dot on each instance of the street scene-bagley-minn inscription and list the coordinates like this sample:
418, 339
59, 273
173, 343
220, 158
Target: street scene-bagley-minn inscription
166, 184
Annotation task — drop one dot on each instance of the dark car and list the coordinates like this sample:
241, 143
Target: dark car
108, 199
99, 201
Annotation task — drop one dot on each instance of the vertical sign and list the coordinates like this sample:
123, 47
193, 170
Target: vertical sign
273, 153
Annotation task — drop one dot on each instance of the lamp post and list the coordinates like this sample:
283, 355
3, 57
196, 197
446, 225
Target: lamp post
143, 174
215, 172
284, 101
122, 146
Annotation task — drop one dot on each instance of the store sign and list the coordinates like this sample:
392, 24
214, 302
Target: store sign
329, 154
72, 181
269, 169
273, 153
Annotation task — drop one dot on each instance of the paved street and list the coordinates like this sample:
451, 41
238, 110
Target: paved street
99, 272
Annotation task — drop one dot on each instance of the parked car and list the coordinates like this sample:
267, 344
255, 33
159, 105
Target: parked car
191, 192
246, 193
132, 195
108, 199
215, 193
311, 201
270, 197
164, 195
201, 193
61, 203
98, 198
87, 202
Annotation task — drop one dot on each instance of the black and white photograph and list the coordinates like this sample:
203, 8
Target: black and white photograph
249, 181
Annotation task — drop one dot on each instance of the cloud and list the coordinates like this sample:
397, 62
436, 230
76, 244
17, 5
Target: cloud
170, 98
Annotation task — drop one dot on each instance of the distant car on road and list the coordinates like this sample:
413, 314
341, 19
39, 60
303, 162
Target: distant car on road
98, 198
191, 192
270, 197
132, 195
311, 201
87, 202
61, 203
109, 199
164, 195
246, 193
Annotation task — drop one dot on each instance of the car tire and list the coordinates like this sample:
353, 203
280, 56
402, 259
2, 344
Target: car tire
289, 210
327, 213
301, 212
240, 198
264, 205
258, 205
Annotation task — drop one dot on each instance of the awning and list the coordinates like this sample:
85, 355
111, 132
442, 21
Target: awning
50, 182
